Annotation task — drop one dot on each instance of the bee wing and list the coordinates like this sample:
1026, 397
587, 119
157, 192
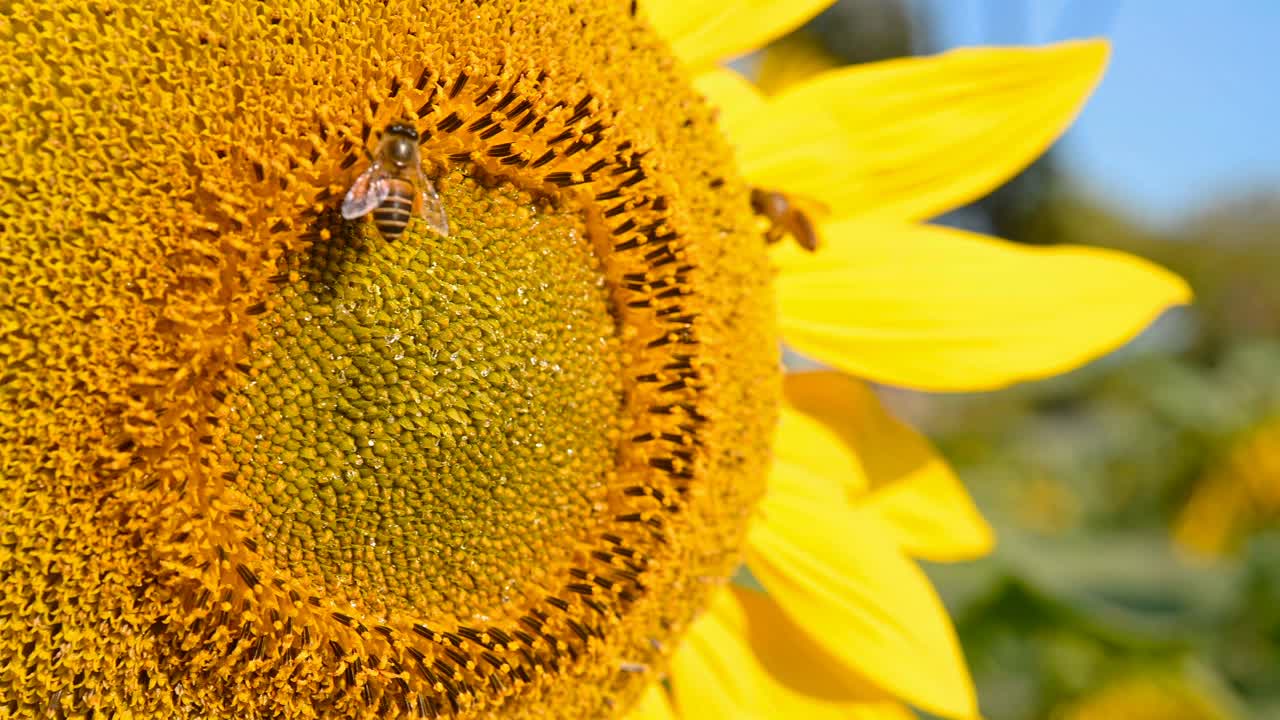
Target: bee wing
430, 207
366, 193
814, 208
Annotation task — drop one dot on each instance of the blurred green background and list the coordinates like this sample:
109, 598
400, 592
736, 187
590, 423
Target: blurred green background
1137, 501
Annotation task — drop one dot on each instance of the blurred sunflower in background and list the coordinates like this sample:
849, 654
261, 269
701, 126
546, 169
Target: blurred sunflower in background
1236, 496
261, 461
1172, 693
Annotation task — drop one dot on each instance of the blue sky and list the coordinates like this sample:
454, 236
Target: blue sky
1189, 111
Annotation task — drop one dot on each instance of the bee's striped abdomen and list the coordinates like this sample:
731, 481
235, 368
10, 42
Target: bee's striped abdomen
393, 214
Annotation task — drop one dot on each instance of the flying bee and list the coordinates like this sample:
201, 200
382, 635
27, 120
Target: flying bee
394, 188
788, 215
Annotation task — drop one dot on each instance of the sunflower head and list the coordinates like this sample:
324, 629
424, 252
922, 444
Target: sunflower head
259, 457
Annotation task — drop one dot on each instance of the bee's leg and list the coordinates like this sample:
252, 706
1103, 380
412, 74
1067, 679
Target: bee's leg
773, 234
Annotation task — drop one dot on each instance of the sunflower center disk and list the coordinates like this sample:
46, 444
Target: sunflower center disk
432, 422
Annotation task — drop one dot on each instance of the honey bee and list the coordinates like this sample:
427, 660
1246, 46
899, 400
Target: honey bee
787, 216
394, 188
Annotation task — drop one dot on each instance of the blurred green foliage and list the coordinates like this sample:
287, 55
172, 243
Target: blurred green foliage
1086, 478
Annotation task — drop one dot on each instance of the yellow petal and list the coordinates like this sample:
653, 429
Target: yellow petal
911, 487
653, 705
745, 659
767, 141
793, 59
880, 711
704, 32
801, 670
934, 308
926, 135
814, 459
837, 573
737, 102
713, 673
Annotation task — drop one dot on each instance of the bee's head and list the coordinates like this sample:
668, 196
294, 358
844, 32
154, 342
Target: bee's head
768, 202
401, 143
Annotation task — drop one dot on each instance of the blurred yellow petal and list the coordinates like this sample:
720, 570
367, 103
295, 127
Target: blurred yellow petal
912, 488
838, 574
880, 711
738, 103
653, 705
801, 670
777, 672
933, 515
934, 308
714, 674
926, 135
704, 32
814, 458
767, 141
791, 60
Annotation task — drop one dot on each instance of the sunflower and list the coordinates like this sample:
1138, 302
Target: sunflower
1238, 494
262, 461
1181, 692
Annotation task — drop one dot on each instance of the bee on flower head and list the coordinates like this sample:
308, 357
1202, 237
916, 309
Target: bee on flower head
788, 215
394, 188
